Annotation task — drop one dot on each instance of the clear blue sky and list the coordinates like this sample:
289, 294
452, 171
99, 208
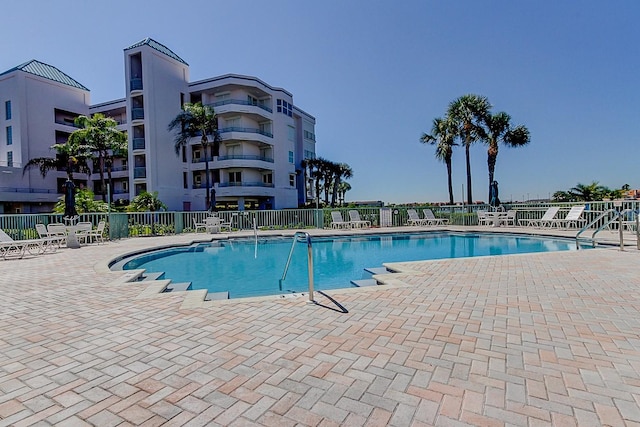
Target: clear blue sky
375, 73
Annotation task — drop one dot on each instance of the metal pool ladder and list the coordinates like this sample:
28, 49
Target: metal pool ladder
306, 236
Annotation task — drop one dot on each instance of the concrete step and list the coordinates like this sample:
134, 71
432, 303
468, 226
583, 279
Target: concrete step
377, 270
364, 282
216, 296
151, 276
178, 287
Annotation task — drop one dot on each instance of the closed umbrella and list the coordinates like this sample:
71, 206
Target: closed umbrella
493, 192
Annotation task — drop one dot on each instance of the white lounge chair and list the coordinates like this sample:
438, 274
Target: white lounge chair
509, 218
82, 230
547, 219
431, 218
414, 219
8, 246
338, 222
356, 221
44, 234
572, 218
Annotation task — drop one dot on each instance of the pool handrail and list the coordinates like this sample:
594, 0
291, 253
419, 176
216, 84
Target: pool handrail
309, 261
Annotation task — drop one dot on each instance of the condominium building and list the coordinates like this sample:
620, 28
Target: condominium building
264, 136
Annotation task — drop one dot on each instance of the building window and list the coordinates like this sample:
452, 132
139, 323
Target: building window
185, 182
291, 133
235, 177
290, 156
251, 100
10, 159
267, 178
7, 110
292, 180
9, 135
309, 135
309, 154
284, 107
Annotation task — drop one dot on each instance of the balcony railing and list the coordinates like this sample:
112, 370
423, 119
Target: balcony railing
140, 172
66, 122
135, 84
201, 159
137, 113
27, 190
138, 143
119, 168
246, 157
247, 130
240, 102
244, 184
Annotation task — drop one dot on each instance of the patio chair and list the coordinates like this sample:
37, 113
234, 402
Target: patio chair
97, 233
43, 233
82, 230
483, 219
509, 219
431, 218
215, 224
572, 218
356, 221
199, 225
414, 219
337, 221
546, 220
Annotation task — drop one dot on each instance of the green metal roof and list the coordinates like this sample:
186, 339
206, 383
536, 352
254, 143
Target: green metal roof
159, 47
46, 71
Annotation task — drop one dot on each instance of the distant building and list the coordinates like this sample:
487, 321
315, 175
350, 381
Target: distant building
264, 135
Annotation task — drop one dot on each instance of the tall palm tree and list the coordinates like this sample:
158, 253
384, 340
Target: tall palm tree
341, 171
71, 157
197, 120
327, 170
587, 192
499, 130
469, 113
443, 134
342, 190
101, 135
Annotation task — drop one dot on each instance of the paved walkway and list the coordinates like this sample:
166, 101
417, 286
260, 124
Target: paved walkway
522, 340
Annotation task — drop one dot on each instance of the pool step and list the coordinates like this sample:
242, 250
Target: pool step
364, 282
151, 276
377, 270
216, 296
178, 287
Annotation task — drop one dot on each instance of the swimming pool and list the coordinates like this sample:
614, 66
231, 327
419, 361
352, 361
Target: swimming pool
244, 268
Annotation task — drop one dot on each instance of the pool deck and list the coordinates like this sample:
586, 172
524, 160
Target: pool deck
520, 340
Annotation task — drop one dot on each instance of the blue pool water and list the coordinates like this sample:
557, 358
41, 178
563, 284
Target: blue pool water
245, 269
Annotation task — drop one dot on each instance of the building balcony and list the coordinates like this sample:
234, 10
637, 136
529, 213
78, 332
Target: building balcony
202, 159
244, 184
240, 102
138, 144
140, 172
245, 130
119, 168
135, 84
67, 122
137, 114
245, 157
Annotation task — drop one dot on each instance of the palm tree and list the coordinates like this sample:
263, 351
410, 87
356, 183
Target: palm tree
469, 113
101, 135
588, 192
443, 134
342, 190
341, 170
71, 157
499, 130
197, 120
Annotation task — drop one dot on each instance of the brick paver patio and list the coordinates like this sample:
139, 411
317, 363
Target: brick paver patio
522, 340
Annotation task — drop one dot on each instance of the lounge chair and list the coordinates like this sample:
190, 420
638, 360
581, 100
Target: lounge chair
337, 221
356, 222
414, 219
431, 218
572, 218
8, 246
547, 219
509, 218
82, 230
